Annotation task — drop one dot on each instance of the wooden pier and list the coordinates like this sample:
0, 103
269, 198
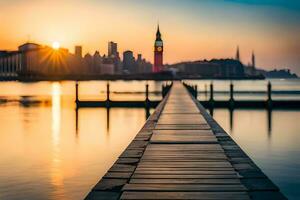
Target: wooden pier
232, 103
212, 103
182, 153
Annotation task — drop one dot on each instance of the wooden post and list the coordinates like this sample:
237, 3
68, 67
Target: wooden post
211, 93
269, 91
162, 90
205, 91
196, 92
231, 100
107, 92
147, 92
269, 95
76, 92
231, 91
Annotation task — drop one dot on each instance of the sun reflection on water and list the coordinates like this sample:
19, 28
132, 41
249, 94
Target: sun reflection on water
57, 176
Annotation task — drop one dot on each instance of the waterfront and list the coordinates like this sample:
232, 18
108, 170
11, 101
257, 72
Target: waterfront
45, 157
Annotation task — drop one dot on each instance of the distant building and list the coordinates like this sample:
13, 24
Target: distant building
107, 69
281, 73
78, 51
139, 64
225, 68
114, 57
128, 61
158, 52
97, 63
29, 56
112, 49
10, 63
89, 62
29, 46
33, 59
142, 66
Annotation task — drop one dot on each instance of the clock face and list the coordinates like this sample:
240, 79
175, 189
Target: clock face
159, 49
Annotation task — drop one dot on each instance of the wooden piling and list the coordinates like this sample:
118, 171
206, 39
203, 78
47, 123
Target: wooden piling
76, 92
147, 94
269, 101
211, 99
107, 92
231, 100
163, 90
107, 102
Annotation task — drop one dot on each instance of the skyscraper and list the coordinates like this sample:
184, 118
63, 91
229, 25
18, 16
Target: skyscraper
112, 49
158, 52
78, 51
128, 60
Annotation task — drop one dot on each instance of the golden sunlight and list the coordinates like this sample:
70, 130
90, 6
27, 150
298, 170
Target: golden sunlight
55, 45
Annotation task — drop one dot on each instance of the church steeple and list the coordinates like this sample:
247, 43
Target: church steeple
237, 56
253, 59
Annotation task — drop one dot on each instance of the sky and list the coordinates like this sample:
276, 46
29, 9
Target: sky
191, 29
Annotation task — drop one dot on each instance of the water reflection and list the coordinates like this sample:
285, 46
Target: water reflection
107, 120
147, 114
269, 112
231, 117
56, 165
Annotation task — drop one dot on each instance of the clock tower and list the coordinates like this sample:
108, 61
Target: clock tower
158, 52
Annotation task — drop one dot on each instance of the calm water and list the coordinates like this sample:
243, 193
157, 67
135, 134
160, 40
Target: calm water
50, 152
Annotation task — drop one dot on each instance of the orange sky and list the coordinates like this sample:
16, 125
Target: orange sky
191, 29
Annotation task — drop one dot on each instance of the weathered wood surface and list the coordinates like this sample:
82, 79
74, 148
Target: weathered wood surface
182, 153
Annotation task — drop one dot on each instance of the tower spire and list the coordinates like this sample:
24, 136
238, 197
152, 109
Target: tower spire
158, 35
237, 57
253, 59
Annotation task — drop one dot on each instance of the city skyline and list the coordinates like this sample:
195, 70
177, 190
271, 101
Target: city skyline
191, 32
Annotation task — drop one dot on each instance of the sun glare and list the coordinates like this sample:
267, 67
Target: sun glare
55, 45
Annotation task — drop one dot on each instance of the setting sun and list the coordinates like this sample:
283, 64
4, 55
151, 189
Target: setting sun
55, 45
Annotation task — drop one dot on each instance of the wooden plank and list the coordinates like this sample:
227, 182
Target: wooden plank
188, 153
185, 132
176, 139
186, 172
182, 127
193, 176
110, 184
187, 181
180, 147
120, 175
154, 168
103, 195
185, 164
127, 161
186, 195
184, 187
122, 168
186, 157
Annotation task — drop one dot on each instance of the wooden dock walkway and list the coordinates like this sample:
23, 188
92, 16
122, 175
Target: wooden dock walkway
182, 153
